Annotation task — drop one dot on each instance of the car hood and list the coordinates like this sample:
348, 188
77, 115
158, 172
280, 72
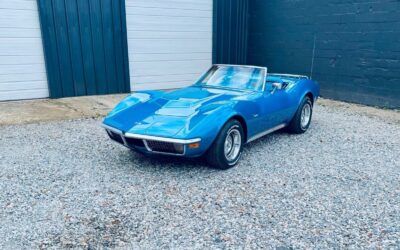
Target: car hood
167, 114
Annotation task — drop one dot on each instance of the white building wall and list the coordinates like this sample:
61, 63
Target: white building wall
22, 66
169, 42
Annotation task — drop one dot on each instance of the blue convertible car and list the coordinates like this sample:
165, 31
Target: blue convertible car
229, 106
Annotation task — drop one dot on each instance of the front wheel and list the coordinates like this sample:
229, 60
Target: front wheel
227, 148
302, 119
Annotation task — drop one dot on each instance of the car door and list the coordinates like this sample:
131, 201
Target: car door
274, 105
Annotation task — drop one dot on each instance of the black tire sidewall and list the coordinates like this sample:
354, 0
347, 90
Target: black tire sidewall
221, 161
305, 101
295, 124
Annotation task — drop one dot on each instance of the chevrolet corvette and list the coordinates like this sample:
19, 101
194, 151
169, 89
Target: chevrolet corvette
229, 106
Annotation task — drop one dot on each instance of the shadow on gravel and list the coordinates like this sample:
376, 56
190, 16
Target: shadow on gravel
158, 162
266, 139
181, 164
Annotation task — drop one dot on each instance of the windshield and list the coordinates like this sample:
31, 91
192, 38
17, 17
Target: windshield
236, 77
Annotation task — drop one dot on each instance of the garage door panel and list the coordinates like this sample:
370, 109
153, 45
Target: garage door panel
20, 60
17, 18
172, 4
170, 46
19, 5
15, 46
188, 35
171, 27
160, 79
169, 85
166, 28
160, 21
22, 67
22, 85
169, 68
23, 76
170, 57
138, 11
19, 33
169, 42
24, 94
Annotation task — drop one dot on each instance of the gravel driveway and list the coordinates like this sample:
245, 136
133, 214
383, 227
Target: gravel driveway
65, 184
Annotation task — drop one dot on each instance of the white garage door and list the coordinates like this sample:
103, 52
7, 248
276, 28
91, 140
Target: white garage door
169, 42
22, 68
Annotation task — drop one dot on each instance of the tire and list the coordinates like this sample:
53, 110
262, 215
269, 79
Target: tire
219, 156
299, 125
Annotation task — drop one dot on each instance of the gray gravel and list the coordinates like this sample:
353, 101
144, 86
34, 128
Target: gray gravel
66, 185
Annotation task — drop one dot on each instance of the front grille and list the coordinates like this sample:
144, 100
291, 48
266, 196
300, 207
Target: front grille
132, 142
115, 136
150, 145
165, 147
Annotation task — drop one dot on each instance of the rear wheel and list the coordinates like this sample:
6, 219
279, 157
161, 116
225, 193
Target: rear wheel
302, 119
226, 150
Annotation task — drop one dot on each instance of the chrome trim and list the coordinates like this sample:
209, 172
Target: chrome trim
268, 131
232, 144
288, 75
112, 129
151, 138
147, 146
124, 140
240, 65
108, 128
163, 139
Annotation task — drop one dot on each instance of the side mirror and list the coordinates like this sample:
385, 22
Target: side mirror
276, 86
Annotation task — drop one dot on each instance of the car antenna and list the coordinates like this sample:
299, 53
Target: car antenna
313, 56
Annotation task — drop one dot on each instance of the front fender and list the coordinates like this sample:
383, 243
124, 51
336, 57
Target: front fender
134, 99
206, 124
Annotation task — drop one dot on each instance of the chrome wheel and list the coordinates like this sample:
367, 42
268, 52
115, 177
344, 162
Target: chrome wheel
233, 143
305, 115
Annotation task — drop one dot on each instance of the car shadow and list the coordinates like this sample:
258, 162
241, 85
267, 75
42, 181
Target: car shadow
266, 139
170, 162
159, 162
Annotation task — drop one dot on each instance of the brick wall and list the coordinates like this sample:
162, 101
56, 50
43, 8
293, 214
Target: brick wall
357, 45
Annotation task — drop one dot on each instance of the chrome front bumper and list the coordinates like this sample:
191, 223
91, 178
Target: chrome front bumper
151, 144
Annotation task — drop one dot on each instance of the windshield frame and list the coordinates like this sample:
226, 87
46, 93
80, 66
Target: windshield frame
264, 76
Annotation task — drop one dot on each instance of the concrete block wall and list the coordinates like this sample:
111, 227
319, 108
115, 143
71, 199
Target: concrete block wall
357, 45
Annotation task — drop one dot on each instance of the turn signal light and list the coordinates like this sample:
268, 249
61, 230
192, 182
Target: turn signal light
194, 145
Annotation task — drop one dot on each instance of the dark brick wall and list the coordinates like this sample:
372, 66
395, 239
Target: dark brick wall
357, 45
